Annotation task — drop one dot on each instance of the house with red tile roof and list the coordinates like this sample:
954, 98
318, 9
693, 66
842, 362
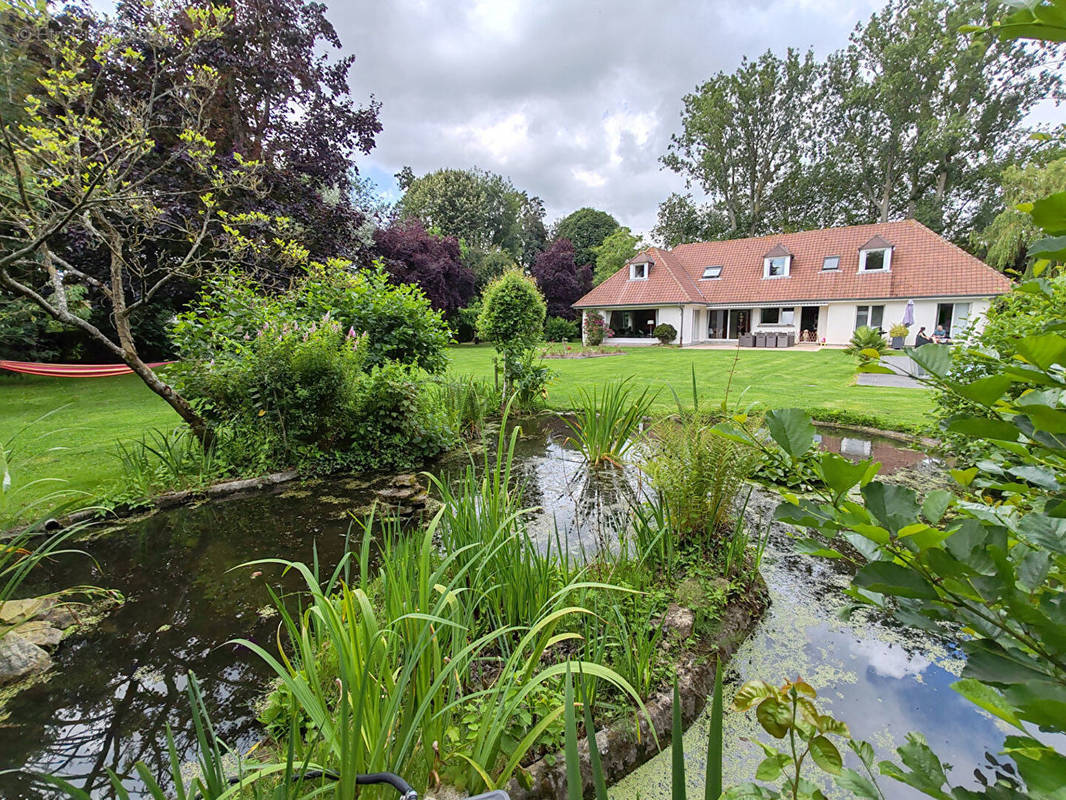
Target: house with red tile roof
816, 286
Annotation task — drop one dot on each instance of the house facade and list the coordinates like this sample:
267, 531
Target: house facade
818, 286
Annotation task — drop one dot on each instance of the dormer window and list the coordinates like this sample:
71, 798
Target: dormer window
776, 263
875, 255
712, 272
638, 270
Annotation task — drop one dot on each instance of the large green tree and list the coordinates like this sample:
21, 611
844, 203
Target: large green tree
1004, 241
586, 229
743, 137
615, 251
681, 221
920, 123
481, 208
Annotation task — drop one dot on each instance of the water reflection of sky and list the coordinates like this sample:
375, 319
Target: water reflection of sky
883, 681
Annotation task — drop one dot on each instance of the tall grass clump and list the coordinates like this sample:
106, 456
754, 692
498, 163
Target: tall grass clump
164, 460
697, 472
385, 667
466, 402
606, 423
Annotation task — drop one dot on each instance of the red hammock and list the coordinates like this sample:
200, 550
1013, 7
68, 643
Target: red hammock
72, 370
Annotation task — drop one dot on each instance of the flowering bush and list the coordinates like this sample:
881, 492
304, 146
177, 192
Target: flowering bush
595, 329
399, 323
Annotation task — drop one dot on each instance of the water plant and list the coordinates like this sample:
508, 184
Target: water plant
164, 460
606, 423
467, 402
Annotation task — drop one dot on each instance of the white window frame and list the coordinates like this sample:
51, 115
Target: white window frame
782, 311
834, 268
643, 270
887, 262
869, 314
716, 276
766, 266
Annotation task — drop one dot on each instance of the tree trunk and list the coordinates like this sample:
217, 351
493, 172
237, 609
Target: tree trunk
200, 429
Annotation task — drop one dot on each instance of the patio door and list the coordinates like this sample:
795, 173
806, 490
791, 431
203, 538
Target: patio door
739, 322
955, 317
717, 324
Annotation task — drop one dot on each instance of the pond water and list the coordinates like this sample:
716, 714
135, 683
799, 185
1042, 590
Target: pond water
115, 689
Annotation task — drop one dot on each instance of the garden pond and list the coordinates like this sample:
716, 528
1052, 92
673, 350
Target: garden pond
115, 689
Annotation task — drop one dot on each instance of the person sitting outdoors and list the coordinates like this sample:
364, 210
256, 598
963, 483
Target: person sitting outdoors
940, 335
920, 338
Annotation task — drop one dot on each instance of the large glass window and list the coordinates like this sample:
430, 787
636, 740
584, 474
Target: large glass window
869, 317
633, 324
777, 316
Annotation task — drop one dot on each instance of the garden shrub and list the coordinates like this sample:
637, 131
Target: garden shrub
595, 329
399, 322
1009, 319
557, 329
698, 473
665, 333
512, 318
306, 398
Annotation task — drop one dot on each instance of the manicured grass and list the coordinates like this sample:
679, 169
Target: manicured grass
813, 380
77, 442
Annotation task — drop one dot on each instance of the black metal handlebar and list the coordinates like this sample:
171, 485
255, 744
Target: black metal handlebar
395, 781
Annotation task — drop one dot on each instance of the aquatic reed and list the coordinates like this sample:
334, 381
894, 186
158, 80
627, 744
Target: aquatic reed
605, 424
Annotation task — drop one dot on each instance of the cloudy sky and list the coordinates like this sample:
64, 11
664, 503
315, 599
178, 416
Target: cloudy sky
574, 101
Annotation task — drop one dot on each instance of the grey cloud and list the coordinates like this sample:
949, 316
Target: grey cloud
574, 101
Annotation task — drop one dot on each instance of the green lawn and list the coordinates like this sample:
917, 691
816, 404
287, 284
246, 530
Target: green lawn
815, 379
77, 443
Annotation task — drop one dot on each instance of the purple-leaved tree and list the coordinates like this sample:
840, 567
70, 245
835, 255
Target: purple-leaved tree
414, 255
560, 280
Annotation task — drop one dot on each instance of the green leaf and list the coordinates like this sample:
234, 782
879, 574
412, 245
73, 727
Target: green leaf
1053, 247
985, 391
1049, 213
677, 750
792, 429
840, 474
857, 785
774, 716
983, 427
713, 776
935, 504
864, 750
933, 358
826, 755
893, 505
886, 577
750, 692
987, 698
769, 768
1043, 350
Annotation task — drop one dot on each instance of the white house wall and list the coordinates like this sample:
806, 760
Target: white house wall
836, 321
